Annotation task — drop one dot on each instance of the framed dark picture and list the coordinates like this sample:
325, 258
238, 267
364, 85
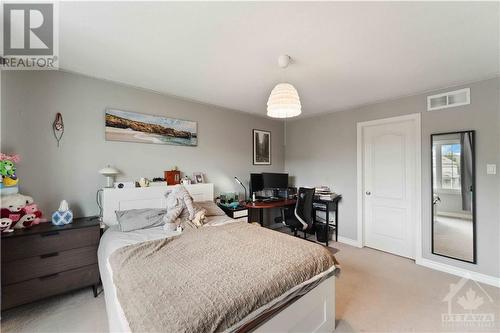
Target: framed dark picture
198, 178
261, 147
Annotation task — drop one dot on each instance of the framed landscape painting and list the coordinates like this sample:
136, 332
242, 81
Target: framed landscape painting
138, 127
261, 147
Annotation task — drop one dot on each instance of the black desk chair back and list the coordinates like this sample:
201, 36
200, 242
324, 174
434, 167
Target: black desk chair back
301, 219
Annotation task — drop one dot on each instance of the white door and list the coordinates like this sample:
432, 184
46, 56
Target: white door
389, 186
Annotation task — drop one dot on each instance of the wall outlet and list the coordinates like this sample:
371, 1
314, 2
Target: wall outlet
491, 169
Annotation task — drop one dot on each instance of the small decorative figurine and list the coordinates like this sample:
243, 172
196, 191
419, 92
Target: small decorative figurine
63, 215
144, 182
185, 180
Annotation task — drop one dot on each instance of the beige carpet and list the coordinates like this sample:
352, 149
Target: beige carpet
379, 292
453, 237
376, 292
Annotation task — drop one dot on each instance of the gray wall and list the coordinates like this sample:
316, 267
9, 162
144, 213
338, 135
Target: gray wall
322, 150
319, 150
30, 101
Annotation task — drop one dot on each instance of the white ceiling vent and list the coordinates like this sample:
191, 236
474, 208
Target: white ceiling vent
448, 100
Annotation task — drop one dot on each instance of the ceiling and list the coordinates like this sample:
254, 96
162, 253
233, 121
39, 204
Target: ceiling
345, 54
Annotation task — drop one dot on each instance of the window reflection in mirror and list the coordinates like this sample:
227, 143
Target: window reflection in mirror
453, 178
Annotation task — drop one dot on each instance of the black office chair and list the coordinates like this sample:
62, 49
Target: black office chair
302, 218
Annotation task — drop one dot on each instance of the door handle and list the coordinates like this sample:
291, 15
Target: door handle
368, 193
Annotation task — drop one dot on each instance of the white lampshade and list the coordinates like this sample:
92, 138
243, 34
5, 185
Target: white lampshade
284, 102
109, 171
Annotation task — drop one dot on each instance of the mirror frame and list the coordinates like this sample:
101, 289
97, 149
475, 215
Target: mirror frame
474, 237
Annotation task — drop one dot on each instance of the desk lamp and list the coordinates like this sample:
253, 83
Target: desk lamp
239, 182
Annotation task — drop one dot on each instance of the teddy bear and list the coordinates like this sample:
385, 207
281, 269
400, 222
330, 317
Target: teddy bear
11, 207
33, 209
15, 202
21, 210
5, 225
25, 221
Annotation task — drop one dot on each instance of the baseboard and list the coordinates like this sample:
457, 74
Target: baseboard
479, 277
457, 215
349, 241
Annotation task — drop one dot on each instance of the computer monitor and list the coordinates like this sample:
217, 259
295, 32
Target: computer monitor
256, 182
274, 180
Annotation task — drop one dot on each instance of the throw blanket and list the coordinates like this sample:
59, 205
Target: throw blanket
211, 278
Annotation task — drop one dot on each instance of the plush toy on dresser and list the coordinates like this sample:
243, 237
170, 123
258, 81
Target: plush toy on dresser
20, 210
9, 181
17, 211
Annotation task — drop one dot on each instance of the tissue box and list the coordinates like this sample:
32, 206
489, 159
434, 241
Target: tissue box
61, 218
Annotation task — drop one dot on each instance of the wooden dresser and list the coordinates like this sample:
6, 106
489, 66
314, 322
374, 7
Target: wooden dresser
46, 260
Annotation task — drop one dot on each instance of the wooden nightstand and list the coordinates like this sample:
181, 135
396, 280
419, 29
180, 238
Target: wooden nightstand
46, 260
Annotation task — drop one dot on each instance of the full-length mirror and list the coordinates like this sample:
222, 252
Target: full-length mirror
453, 195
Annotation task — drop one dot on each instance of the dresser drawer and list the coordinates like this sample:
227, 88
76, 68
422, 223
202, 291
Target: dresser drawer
31, 290
46, 264
48, 242
240, 213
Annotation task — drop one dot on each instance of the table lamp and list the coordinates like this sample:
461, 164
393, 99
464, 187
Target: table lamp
109, 172
239, 182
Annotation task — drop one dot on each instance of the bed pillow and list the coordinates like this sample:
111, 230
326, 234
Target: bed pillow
134, 219
211, 208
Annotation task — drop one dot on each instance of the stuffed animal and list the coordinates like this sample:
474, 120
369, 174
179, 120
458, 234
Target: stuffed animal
25, 221
7, 214
5, 225
33, 209
15, 202
7, 168
8, 178
21, 210
10, 181
27, 199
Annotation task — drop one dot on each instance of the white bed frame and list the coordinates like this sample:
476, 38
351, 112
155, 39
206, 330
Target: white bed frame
146, 197
313, 312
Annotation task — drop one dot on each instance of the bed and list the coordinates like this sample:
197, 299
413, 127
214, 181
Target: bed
308, 307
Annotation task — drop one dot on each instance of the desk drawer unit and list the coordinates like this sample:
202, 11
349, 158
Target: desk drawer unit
47, 260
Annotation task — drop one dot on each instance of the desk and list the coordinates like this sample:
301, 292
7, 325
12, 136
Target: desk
327, 206
320, 205
261, 205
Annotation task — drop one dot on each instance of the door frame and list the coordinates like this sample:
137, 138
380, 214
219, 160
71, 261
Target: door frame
418, 178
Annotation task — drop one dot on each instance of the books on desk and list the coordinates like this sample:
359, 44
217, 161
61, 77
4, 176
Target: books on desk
327, 197
324, 193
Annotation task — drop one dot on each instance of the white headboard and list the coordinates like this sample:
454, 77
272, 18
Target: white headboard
146, 197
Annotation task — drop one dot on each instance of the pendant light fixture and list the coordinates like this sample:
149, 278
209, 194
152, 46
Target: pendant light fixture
284, 101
